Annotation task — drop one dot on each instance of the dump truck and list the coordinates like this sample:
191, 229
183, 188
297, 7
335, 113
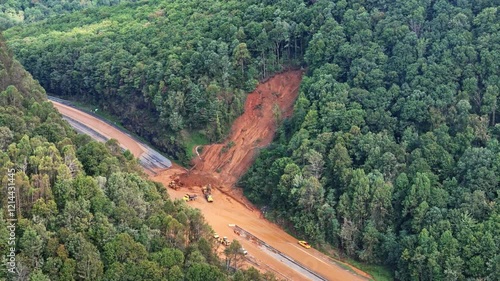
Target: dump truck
190, 197
207, 191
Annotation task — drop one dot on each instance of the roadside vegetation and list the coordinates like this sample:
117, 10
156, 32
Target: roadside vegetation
194, 140
166, 68
84, 211
392, 155
393, 152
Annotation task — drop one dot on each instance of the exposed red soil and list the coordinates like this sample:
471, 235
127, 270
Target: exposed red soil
254, 129
231, 208
222, 167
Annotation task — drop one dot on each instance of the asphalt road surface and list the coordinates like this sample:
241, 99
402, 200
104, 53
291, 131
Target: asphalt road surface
285, 257
102, 131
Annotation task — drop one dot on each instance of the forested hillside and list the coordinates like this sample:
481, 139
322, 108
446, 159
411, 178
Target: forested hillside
166, 68
83, 212
13, 12
393, 154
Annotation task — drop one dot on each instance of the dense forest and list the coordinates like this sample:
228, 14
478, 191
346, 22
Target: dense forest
84, 211
168, 69
14, 12
393, 153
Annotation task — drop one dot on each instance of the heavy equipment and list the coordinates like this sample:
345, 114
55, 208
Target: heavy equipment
243, 251
224, 241
190, 197
175, 183
207, 191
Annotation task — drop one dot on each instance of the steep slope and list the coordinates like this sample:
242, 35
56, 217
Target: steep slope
166, 69
13, 74
393, 154
264, 110
221, 165
75, 209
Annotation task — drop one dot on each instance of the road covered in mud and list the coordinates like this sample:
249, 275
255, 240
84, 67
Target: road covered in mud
221, 165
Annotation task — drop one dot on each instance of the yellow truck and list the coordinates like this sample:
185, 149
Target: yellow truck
207, 191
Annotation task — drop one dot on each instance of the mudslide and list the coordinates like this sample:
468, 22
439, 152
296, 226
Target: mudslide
221, 165
270, 102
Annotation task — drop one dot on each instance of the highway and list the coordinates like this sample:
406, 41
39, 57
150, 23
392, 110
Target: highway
151, 160
279, 253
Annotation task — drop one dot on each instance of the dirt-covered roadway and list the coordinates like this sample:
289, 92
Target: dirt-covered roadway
251, 131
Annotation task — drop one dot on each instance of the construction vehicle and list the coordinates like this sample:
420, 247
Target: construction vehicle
175, 184
207, 191
190, 197
225, 241
243, 251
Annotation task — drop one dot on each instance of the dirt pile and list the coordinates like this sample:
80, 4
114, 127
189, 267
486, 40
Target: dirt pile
232, 208
221, 165
254, 129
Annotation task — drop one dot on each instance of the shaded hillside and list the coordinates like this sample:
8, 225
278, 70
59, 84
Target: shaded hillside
166, 69
13, 74
83, 212
13, 12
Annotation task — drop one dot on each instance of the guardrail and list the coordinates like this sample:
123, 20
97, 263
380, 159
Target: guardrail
249, 236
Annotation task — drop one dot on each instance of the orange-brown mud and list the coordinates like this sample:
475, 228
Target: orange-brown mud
222, 167
225, 210
251, 131
254, 129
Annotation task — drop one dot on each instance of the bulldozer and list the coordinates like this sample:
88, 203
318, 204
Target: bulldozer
207, 191
175, 184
